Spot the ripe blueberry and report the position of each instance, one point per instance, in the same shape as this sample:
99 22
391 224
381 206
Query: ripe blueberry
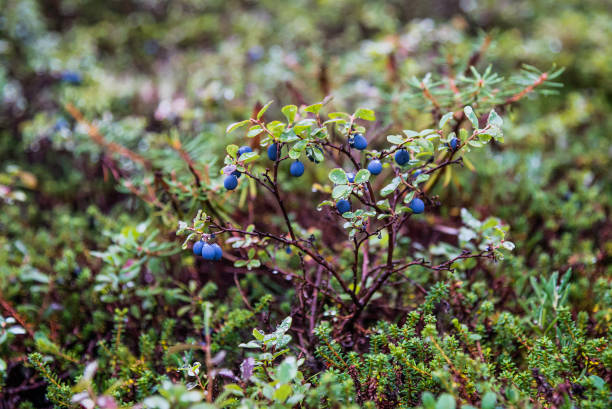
71 77
343 206
197 248
208 252
236 173
351 177
273 151
453 143
244 149
417 173
359 142
375 167
296 169
402 157
218 252
230 182
61 124
417 206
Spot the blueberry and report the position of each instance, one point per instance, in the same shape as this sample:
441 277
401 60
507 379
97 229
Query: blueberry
255 53
288 250
208 252
236 173
351 177
218 252
60 124
375 167
244 149
273 151
402 157
359 142
296 169
453 143
417 206
417 173
230 182
343 206
71 77
197 247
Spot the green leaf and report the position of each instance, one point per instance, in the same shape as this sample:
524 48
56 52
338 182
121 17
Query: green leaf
232 150
390 188
395 139
236 125
383 204
289 111
365 114
410 134
495 119
258 335
282 393
409 196
362 176
284 326
314 108
233 389
597 382
445 119
264 109
341 191
446 401
488 400
318 155
254 264
508 245
288 135
428 400
254 131
249 157
287 370
324 203
469 113
338 176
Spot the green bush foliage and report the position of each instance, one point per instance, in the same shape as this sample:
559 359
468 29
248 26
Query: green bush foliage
471 269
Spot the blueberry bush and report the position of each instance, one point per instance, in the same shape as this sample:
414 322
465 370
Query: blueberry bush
305 204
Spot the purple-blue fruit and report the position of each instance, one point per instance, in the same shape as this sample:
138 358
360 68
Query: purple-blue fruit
273 151
297 169
351 177
375 167
197 248
230 182
208 252
218 252
359 142
453 143
244 149
402 157
71 77
417 206
343 206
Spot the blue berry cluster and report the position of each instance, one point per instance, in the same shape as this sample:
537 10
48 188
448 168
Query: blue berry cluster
210 252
